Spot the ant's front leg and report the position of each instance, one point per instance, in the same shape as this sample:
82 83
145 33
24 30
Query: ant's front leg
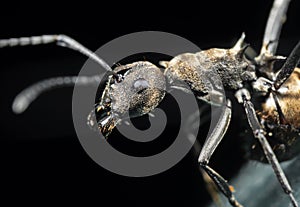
243 96
208 149
192 124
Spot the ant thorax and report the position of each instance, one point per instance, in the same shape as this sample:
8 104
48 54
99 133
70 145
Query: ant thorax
230 64
218 67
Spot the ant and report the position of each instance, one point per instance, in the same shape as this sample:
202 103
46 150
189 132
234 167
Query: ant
252 80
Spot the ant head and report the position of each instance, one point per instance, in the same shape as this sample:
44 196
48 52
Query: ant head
135 90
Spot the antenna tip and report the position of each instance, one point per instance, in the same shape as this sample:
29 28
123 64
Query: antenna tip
20 104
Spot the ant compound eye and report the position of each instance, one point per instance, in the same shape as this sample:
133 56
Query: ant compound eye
140 85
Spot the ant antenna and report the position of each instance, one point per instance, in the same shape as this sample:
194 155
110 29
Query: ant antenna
28 95
60 40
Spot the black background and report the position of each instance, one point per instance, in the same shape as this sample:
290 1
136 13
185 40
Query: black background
42 161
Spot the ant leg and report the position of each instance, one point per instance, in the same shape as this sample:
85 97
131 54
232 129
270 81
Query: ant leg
191 125
243 97
208 149
284 73
216 136
60 40
28 95
211 187
288 67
